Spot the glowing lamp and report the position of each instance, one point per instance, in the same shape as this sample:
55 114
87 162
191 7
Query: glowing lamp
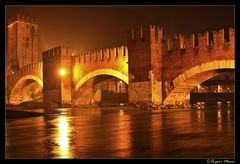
62 72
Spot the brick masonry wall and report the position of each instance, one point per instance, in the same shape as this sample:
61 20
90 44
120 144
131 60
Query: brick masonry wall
140 91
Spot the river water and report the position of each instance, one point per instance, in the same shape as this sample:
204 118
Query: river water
120 133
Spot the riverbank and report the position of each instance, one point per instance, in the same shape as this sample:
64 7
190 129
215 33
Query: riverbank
10 114
21 112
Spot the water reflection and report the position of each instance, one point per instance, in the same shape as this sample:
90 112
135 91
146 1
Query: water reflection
121 112
201 116
86 112
156 133
123 136
62 138
228 115
219 120
95 133
25 138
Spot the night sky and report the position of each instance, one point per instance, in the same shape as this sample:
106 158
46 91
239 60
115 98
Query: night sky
94 27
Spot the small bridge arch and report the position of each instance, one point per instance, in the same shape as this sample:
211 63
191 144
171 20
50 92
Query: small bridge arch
16 93
98 72
185 82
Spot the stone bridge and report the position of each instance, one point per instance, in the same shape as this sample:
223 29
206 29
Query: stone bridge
166 70
196 61
157 70
110 61
80 68
18 81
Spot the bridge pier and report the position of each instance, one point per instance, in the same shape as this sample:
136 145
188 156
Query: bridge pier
145 64
147 92
57 77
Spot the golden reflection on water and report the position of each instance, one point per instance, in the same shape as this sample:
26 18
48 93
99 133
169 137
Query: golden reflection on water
118 135
63 137
121 112
123 137
228 115
228 119
201 116
219 120
156 127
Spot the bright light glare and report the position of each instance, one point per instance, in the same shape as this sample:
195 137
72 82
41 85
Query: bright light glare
62 72
63 137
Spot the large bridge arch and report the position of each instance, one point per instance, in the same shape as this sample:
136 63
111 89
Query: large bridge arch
16 92
185 82
98 72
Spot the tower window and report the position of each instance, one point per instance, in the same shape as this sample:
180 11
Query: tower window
27 25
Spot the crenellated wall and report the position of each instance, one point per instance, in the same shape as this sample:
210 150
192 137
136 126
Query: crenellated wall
155 62
22 18
145 64
187 57
141 42
111 59
18 81
22 42
152 66
184 52
32 69
102 55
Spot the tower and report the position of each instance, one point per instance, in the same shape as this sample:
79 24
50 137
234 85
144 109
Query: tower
22 42
57 75
145 64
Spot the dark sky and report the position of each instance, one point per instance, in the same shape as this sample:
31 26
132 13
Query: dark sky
93 27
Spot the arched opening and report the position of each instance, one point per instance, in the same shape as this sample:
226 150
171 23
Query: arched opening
27 89
219 90
188 80
98 72
101 90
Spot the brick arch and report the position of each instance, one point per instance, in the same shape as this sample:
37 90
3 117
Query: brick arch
98 72
185 82
17 88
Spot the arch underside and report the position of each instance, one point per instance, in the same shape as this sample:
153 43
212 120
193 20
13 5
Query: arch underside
98 72
187 81
19 90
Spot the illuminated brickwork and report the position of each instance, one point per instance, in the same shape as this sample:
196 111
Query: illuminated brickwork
17 81
171 68
157 70
112 61
57 75
22 42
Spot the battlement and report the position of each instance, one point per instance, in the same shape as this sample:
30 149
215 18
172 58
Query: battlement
146 32
201 40
25 70
22 18
108 54
57 51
